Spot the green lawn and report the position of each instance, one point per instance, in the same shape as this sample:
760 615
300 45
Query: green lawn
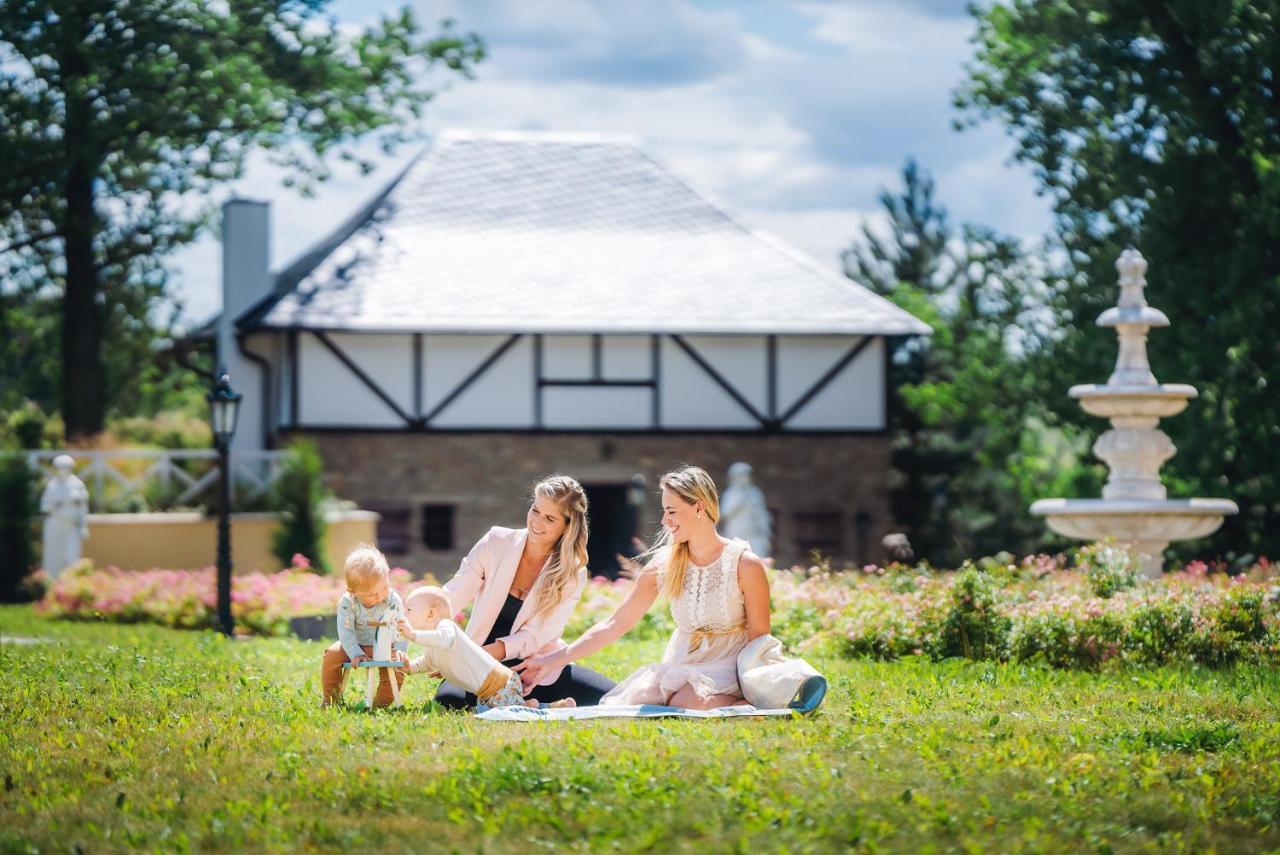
118 737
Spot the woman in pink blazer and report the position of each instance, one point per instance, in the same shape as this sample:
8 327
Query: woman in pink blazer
525 584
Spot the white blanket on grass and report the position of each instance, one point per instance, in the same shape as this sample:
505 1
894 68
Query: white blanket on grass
623 711
767 677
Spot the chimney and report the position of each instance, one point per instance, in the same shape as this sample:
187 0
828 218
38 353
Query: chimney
246 279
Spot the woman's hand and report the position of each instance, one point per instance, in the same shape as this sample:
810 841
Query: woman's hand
536 668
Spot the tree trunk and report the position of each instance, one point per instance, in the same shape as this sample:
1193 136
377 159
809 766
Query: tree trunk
82 397
82 317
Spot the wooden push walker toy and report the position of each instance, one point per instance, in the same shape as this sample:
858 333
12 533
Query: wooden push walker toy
381 661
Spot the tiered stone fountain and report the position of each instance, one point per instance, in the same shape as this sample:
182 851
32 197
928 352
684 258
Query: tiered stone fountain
1134 508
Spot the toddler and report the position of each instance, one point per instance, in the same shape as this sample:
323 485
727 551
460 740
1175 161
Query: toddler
368 604
457 657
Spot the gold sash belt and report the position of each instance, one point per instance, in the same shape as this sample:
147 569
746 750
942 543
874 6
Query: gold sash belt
701 635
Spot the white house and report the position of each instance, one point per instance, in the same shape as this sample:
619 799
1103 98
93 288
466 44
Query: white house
516 304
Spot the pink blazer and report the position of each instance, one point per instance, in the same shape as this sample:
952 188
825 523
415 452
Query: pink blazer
485 578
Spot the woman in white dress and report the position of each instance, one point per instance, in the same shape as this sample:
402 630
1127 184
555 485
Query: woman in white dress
719 597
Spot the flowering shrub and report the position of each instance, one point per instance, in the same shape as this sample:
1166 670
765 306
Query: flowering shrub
973 626
1042 608
604 595
262 603
1108 568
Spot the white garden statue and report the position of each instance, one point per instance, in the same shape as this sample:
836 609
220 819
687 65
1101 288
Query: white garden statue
743 513
65 504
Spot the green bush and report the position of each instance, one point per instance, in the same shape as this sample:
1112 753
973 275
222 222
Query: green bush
299 496
1234 626
1066 640
29 428
972 626
1108 568
1159 631
19 507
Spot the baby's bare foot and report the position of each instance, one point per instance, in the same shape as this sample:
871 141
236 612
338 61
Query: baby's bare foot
566 703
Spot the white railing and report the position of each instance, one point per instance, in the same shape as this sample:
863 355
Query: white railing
178 478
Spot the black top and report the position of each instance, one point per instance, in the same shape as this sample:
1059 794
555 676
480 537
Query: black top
506 618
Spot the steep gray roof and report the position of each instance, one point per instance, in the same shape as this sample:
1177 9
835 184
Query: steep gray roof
530 232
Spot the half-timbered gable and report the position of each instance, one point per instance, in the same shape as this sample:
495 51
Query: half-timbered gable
523 285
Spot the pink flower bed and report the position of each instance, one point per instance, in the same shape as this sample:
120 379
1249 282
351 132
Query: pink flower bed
262 603
1084 613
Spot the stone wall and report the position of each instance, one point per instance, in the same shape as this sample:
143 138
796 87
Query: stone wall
189 540
825 491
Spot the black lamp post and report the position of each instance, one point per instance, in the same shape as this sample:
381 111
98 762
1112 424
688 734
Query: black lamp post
224 410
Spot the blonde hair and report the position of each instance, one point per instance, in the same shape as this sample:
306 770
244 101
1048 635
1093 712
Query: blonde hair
427 596
365 565
691 484
569 555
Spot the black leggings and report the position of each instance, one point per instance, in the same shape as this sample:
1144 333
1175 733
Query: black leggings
582 684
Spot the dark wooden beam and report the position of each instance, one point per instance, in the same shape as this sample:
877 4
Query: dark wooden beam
824 380
472 377
723 383
364 377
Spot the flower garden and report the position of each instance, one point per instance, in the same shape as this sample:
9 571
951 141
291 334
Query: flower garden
1088 610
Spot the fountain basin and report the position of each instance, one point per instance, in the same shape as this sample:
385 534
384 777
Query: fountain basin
1145 526
1133 400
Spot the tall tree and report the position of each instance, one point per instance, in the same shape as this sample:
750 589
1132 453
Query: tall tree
1153 124
116 116
971 446
912 265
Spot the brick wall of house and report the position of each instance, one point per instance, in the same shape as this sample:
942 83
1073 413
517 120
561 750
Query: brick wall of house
826 492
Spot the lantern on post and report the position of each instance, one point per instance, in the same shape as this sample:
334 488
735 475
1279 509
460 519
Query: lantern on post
224 412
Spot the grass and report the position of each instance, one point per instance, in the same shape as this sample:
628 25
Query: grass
136 737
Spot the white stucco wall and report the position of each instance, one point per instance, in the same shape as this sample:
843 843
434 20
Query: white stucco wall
331 395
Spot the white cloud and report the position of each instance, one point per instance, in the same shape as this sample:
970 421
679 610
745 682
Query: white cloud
646 45
795 131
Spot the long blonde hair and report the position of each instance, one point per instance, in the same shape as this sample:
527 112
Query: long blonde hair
692 484
569 555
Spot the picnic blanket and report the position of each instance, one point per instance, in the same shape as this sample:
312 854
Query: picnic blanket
808 697
779 684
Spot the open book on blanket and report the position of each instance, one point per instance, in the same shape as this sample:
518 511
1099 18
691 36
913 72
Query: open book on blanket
622 711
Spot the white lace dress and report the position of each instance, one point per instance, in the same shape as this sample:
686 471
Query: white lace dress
711 629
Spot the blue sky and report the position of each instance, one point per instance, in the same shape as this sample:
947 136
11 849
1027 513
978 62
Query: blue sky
794 115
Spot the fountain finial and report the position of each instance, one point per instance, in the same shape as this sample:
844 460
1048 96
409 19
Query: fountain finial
1132 268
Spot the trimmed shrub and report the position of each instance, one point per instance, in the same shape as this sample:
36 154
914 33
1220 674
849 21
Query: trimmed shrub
299 495
19 508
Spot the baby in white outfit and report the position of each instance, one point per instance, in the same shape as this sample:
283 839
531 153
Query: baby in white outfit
456 657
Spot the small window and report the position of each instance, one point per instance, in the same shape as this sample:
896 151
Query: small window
437 526
393 527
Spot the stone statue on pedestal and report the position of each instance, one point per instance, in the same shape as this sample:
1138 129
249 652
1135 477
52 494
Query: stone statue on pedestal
65 504
743 512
